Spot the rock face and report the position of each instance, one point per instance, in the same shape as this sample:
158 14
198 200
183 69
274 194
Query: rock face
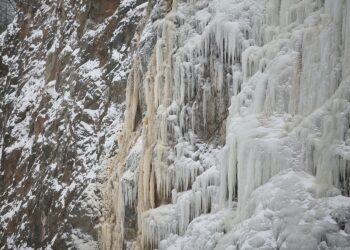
235 133
7 12
63 75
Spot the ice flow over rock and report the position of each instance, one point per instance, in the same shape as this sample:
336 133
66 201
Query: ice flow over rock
237 129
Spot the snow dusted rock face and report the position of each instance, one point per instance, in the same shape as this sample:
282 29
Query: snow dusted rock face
63 71
236 131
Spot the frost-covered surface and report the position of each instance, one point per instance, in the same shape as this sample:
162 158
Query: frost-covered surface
63 70
286 213
235 135
242 107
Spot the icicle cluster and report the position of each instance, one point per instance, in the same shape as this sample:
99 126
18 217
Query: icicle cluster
281 70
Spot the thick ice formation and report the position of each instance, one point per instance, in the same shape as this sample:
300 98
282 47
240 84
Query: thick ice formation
282 69
286 214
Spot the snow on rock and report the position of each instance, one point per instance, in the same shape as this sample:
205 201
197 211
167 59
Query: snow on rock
62 99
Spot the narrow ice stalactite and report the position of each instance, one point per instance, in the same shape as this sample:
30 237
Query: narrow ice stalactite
346 40
132 96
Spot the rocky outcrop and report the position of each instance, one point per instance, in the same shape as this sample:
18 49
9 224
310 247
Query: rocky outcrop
7 11
62 85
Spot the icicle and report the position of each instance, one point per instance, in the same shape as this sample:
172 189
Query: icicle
346 41
205 101
232 169
157 224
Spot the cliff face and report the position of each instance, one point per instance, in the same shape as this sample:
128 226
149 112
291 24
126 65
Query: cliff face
62 86
236 133
6 13
176 124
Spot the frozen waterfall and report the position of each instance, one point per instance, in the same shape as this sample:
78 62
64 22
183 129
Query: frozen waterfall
237 129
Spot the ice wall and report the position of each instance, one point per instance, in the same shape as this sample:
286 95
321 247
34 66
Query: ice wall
292 112
231 101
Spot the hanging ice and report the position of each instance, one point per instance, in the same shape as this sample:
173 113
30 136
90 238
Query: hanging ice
276 73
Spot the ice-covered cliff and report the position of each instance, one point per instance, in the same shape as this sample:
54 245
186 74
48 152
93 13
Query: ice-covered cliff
175 124
236 131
